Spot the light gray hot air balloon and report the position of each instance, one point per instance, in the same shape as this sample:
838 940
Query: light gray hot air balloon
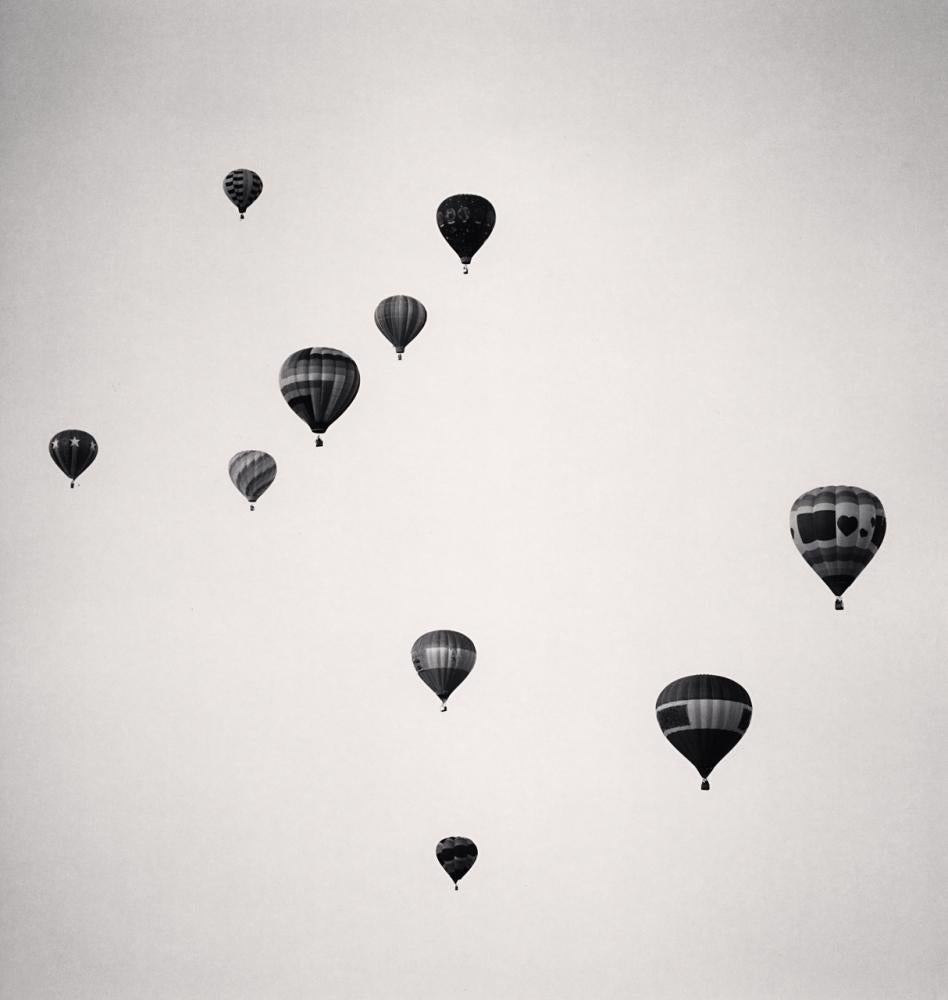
252 472
443 659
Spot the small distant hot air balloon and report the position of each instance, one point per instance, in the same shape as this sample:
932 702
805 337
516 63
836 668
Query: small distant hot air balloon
456 856
243 187
837 529
400 318
252 472
443 659
465 221
73 451
703 717
318 384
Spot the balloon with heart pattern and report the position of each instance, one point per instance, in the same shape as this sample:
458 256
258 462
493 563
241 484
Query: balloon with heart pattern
837 529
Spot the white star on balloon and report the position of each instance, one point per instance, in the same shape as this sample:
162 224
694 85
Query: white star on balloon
92 446
55 442
74 442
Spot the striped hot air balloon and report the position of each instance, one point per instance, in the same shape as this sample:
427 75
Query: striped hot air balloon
456 856
703 717
73 451
443 659
465 221
400 318
252 472
837 529
243 188
318 384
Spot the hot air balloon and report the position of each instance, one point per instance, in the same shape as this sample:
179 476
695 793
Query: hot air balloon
318 384
465 221
456 856
838 529
73 451
243 187
252 472
400 318
443 659
703 717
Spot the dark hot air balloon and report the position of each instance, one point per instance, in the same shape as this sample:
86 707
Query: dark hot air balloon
252 472
318 384
456 856
703 717
73 451
837 529
443 659
400 318
465 221
243 187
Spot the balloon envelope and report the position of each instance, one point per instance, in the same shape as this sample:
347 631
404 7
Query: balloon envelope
318 384
400 318
73 451
456 856
465 221
837 530
703 717
443 659
243 188
252 472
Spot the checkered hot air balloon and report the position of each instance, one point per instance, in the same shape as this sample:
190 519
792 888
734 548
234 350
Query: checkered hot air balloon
456 856
252 472
400 318
73 451
243 188
465 221
837 530
703 717
319 384
443 659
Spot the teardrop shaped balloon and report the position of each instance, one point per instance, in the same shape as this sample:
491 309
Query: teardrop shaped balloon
837 530
456 856
318 384
400 318
465 221
73 451
252 472
243 187
443 659
703 717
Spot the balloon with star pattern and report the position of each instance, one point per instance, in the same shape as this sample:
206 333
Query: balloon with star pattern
465 221
73 451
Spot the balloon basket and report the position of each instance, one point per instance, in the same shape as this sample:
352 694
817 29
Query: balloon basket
705 785
839 604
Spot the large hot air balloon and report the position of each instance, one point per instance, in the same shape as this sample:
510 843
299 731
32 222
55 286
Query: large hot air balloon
252 472
465 221
318 384
243 187
443 659
73 451
400 318
457 856
838 529
703 717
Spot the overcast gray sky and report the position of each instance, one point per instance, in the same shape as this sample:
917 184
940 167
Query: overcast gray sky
717 280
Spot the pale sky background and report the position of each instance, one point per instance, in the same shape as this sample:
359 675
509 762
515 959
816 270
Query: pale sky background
717 280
